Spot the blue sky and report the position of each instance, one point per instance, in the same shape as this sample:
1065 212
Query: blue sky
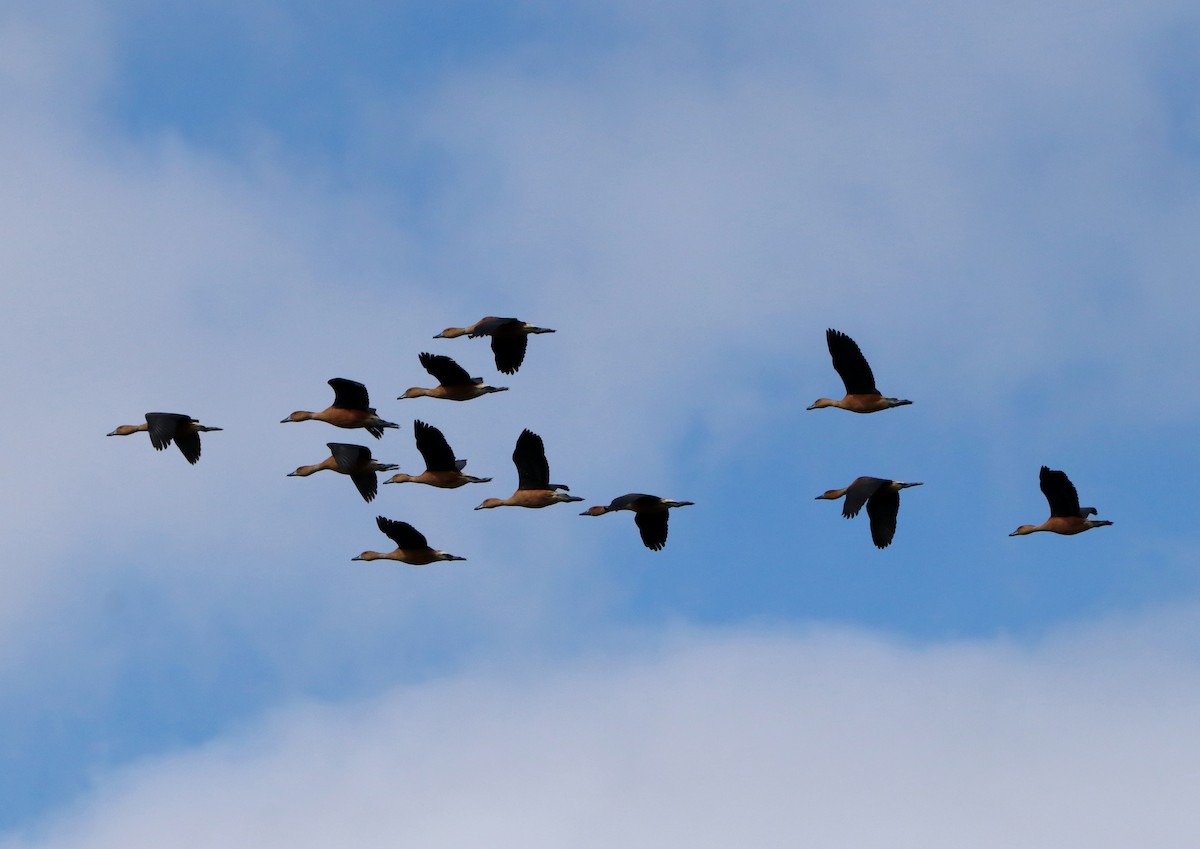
215 210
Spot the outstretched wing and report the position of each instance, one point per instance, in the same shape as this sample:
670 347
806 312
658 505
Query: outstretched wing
188 443
402 533
533 472
490 324
631 501
439 456
1059 492
509 352
349 458
653 527
850 364
882 508
367 485
858 493
164 427
349 394
444 370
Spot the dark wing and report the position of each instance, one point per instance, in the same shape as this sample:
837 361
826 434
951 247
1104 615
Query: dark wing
439 457
349 458
188 443
882 508
509 352
444 370
367 485
632 500
850 364
163 427
490 324
858 493
653 526
349 394
402 533
533 472
1060 492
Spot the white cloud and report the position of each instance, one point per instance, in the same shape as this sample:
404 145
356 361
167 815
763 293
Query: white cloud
824 738
942 190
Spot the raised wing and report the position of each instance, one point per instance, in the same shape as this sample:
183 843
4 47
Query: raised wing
533 472
402 533
850 364
349 395
1059 492
444 370
439 457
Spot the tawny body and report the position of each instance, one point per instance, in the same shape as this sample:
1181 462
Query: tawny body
533 473
350 409
882 498
859 403
529 498
411 546
355 462
1065 525
510 337
850 364
165 428
442 469
650 515
454 383
1066 516
441 480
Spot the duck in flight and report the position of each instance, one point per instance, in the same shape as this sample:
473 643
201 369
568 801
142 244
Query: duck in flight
354 461
454 384
411 546
441 468
510 336
649 514
852 366
165 428
351 408
882 498
1066 516
533 478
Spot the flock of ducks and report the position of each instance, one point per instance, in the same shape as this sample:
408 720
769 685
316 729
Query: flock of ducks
882 496
509 337
351 409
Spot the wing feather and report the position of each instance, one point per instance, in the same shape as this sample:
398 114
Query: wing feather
444 370
349 394
439 456
882 508
533 471
402 533
1060 492
850 364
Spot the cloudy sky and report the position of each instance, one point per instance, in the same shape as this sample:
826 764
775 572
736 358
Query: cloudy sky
215 210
